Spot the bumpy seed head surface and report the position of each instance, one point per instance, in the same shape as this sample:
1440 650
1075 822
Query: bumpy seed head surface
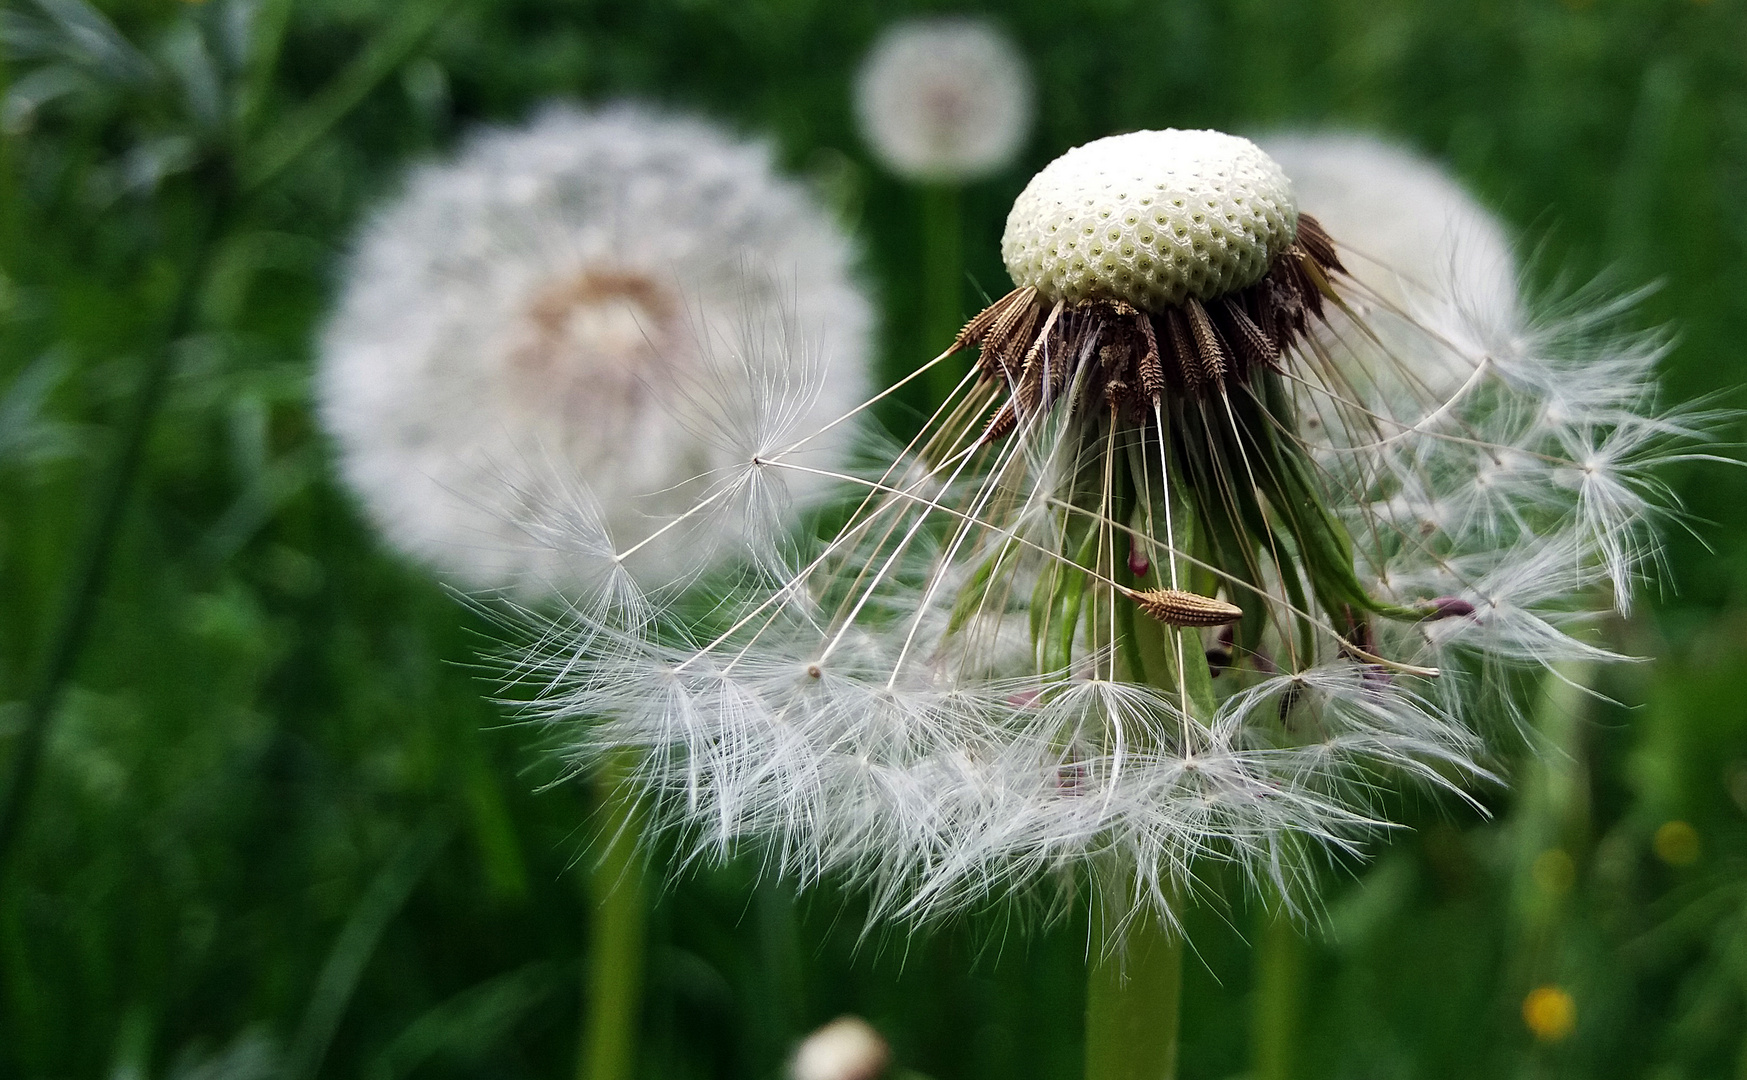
1151 217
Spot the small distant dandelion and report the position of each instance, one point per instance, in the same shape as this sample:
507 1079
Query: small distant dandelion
944 99
1190 565
848 1048
1676 843
1550 1013
551 345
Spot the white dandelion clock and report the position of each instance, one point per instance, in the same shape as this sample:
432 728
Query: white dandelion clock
550 346
1189 566
946 99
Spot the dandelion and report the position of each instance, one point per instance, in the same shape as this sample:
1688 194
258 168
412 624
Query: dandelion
549 349
551 345
1550 1013
944 99
848 1048
1189 565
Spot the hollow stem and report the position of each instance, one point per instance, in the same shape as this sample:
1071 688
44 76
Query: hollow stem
1274 1009
613 967
942 280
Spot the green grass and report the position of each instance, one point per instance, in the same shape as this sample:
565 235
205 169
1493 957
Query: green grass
278 819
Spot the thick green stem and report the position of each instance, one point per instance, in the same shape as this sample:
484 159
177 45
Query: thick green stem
1132 995
1274 1009
613 968
942 281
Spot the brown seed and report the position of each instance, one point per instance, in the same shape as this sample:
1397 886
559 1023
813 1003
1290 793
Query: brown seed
978 328
1183 345
1176 607
1207 343
1152 369
1318 243
1252 345
1002 423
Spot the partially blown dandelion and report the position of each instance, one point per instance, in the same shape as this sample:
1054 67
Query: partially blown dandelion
1192 561
552 345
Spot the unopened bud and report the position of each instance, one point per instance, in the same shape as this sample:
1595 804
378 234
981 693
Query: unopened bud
1138 563
1447 607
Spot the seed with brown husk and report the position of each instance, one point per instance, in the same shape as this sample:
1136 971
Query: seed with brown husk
1177 607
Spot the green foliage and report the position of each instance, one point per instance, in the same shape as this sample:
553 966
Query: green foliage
278 830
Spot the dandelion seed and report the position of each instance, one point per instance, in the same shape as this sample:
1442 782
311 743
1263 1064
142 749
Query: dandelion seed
944 99
553 345
1183 410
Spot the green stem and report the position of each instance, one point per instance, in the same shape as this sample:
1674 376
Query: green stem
1132 995
942 281
1279 960
1134 987
613 970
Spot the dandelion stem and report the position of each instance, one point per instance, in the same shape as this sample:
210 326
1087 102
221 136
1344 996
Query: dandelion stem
1134 986
1133 992
613 968
942 276
1279 965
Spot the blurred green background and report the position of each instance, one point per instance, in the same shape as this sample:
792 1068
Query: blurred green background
280 832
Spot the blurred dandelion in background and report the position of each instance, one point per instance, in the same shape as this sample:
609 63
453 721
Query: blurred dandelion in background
576 329
945 99
1413 236
552 345
848 1048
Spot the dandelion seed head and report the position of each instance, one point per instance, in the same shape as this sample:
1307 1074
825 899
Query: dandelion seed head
998 676
1150 217
550 345
944 99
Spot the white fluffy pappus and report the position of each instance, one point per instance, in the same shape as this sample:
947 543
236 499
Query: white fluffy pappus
945 98
550 345
1190 567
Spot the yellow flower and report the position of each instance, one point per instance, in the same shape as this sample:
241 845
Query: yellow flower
1550 1013
1676 843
